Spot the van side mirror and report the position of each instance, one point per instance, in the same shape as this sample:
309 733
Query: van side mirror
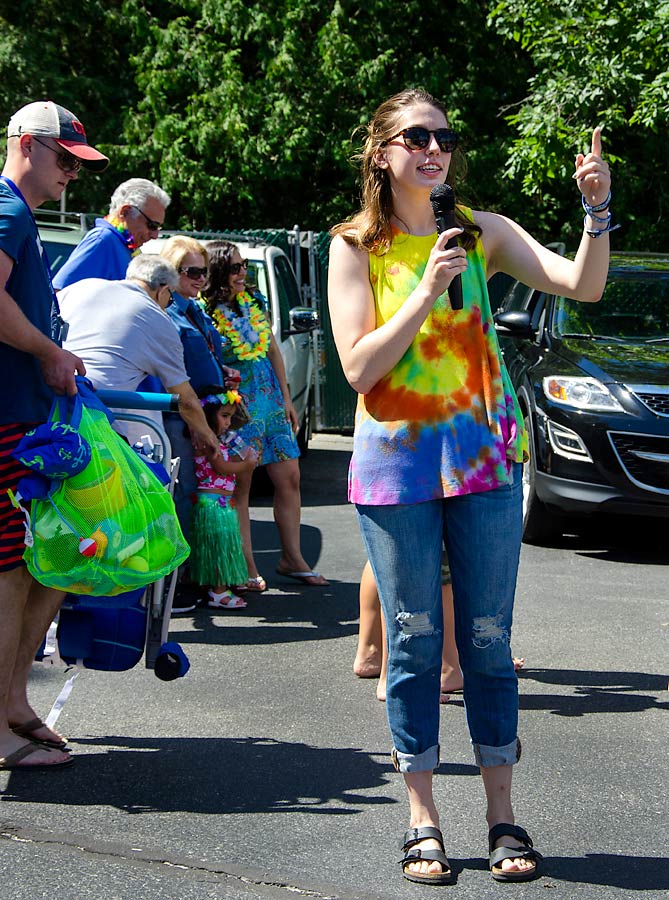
302 319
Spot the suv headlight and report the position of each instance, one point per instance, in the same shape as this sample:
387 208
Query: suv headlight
580 393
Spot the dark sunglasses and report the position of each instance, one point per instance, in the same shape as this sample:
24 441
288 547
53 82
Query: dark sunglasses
236 268
170 292
65 161
418 138
194 272
150 224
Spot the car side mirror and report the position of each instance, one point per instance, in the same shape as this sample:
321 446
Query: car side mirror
514 323
302 319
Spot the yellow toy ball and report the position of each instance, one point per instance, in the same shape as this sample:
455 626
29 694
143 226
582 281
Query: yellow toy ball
137 563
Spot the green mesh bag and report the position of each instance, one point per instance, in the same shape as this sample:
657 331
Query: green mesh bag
110 528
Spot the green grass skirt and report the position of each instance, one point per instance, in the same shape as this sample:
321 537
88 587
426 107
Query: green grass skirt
216 543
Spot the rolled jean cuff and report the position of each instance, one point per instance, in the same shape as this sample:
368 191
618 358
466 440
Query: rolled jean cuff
412 762
487 757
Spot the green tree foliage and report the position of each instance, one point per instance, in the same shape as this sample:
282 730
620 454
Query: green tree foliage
76 56
248 109
245 110
605 63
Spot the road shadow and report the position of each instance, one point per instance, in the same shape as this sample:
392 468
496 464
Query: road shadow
262 775
594 692
632 873
636 540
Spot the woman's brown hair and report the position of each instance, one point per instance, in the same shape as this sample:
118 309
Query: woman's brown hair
217 289
370 229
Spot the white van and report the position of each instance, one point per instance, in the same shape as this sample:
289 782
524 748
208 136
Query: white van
293 324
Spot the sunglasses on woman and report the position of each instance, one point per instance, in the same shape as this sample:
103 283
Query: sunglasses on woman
65 161
194 272
418 138
236 268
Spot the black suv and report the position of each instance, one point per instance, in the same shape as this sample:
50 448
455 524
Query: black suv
593 383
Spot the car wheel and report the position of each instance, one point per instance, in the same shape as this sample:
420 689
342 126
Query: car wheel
305 430
539 523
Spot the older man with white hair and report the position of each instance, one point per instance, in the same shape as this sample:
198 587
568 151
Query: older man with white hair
122 333
136 214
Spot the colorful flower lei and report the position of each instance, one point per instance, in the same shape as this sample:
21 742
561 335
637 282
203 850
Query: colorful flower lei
128 239
249 334
228 398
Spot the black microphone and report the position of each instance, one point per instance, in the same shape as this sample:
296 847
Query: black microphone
442 199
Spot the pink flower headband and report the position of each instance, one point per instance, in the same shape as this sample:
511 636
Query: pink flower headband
229 397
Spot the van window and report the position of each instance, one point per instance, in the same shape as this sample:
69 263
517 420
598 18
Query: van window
289 294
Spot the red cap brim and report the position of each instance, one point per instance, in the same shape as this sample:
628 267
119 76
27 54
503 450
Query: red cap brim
90 157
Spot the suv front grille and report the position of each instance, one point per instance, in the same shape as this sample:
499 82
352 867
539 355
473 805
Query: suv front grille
654 397
644 458
657 403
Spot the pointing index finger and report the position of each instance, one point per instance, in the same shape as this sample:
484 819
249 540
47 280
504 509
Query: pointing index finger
596 147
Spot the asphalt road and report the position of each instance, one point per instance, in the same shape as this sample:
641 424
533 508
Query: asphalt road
264 773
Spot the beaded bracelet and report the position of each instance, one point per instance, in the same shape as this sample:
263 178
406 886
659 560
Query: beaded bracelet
594 209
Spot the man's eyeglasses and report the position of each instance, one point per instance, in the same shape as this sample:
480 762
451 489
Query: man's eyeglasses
194 272
418 138
65 161
150 223
170 292
236 268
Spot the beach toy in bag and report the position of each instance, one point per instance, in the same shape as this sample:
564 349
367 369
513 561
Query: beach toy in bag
104 524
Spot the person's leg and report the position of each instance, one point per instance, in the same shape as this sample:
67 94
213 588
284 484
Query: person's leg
411 599
26 611
285 477
497 784
451 675
241 495
186 485
367 662
483 535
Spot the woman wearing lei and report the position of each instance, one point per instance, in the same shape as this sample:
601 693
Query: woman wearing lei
248 345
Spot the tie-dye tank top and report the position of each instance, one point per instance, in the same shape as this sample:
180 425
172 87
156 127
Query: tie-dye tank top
445 420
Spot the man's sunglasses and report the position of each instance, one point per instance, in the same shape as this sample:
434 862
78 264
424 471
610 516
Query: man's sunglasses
65 161
194 272
236 268
418 138
150 223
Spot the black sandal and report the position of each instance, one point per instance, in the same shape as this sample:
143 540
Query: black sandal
499 854
412 837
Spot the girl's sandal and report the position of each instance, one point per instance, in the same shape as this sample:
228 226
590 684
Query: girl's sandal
499 854
414 854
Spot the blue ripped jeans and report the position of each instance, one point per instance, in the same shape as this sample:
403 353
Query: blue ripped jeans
482 535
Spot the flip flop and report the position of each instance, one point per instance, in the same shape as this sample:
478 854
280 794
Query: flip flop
13 761
226 600
302 577
28 729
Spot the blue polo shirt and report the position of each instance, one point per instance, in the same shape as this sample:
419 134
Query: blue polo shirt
101 253
203 356
25 396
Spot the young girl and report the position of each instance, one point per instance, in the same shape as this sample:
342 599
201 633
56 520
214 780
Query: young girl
217 557
439 444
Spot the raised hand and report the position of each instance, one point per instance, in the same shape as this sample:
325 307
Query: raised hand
592 172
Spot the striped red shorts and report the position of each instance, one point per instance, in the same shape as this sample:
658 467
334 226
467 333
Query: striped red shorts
12 521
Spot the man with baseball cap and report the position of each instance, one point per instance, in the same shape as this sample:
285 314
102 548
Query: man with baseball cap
46 147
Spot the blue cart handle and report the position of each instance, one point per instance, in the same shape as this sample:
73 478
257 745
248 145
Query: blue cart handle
139 400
